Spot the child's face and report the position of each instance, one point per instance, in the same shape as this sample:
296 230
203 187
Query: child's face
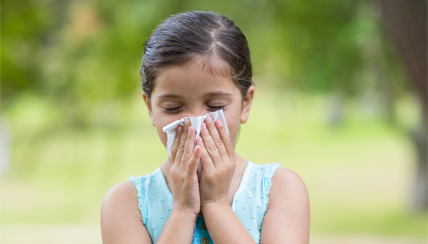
192 90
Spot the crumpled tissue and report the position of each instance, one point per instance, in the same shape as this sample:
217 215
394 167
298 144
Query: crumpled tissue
196 123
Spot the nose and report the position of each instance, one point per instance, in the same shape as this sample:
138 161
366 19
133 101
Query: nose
196 113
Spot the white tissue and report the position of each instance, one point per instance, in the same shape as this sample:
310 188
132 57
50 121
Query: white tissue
196 123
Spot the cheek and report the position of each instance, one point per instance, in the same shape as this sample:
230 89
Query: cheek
162 135
233 122
160 122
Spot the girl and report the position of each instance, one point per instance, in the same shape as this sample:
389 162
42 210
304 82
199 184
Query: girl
195 63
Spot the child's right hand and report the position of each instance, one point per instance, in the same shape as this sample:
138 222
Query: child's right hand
183 165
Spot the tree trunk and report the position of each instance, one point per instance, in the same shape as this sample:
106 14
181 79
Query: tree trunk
419 138
406 23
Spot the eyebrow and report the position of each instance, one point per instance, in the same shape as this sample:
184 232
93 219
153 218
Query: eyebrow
169 95
217 93
209 94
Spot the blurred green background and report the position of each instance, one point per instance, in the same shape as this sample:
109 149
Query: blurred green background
334 102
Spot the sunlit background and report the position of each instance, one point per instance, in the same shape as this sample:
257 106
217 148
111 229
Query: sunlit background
340 99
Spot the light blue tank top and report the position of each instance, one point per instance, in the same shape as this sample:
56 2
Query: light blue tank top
249 203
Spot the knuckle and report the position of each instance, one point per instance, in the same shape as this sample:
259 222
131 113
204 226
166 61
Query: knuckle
189 169
228 144
174 169
226 168
185 154
219 142
180 148
212 148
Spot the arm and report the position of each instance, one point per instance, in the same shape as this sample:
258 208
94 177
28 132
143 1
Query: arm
178 228
121 220
287 219
184 161
120 217
218 166
223 224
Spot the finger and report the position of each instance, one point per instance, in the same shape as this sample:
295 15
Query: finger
207 163
175 144
180 148
228 145
189 145
194 161
210 146
216 138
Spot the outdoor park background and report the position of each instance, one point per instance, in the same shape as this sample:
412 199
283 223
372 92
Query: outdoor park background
334 102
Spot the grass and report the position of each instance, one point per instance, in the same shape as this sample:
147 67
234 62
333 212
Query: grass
358 175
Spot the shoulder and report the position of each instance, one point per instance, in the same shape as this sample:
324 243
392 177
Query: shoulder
120 216
287 180
122 193
287 186
288 209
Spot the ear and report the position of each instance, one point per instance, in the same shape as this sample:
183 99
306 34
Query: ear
246 104
149 106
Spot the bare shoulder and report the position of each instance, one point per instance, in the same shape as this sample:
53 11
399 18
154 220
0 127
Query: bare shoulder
120 217
121 192
287 219
288 190
287 182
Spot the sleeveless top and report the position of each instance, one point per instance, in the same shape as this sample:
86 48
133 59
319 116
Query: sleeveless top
249 203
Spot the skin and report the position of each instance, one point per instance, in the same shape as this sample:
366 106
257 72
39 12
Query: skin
193 90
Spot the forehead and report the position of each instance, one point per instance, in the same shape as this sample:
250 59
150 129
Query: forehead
200 75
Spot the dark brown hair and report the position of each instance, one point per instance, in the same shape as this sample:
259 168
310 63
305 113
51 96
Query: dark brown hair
182 37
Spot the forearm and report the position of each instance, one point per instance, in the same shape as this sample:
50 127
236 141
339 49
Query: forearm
178 228
223 224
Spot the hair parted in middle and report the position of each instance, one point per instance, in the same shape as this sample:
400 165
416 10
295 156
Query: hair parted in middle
185 36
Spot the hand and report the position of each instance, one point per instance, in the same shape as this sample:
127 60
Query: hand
217 160
183 164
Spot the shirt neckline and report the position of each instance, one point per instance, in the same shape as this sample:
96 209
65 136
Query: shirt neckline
238 192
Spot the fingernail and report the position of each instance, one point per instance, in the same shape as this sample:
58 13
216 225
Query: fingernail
208 118
199 140
203 126
190 130
218 123
179 128
186 122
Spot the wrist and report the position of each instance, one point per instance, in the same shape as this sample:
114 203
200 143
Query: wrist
184 214
220 203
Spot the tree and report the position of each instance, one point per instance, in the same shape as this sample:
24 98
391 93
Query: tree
406 23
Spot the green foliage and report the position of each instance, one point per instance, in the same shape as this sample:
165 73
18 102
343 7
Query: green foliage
24 29
83 54
322 51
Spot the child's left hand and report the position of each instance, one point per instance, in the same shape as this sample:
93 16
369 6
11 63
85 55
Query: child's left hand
217 160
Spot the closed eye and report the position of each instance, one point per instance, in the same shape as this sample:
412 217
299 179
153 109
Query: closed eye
172 110
215 108
178 109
